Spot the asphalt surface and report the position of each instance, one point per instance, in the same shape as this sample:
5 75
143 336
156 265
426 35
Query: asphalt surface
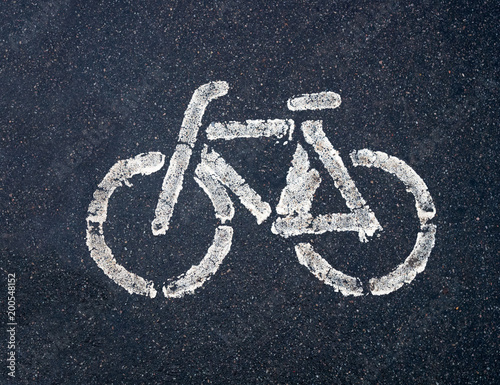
85 84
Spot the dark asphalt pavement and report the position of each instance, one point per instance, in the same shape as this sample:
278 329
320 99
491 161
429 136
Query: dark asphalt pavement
85 84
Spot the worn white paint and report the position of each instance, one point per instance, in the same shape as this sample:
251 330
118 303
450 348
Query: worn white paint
296 198
322 270
318 101
215 176
172 184
194 278
226 175
118 175
196 109
406 272
146 164
250 129
197 275
224 208
302 184
417 260
413 182
171 188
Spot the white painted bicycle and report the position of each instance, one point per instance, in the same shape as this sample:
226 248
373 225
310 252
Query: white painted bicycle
216 176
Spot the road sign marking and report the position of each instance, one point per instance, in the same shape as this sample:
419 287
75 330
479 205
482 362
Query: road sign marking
197 275
322 270
215 176
172 184
224 208
171 188
296 198
361 219
251 129
196 109
119 174
318 101
227 175
417 260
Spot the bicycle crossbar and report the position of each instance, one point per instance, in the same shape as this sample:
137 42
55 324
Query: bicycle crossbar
251 129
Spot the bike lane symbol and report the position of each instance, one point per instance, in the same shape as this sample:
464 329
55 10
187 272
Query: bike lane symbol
215 176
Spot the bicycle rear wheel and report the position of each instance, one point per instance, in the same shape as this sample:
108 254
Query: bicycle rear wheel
188 282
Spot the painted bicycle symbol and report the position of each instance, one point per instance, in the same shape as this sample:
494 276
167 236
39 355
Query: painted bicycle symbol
216 176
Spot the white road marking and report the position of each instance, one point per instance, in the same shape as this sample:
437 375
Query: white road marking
172 184
315 136
406 272
322 270
417 260
224 208
413 182
215 176
194 278
225 174
361 218
118 175
296 198
146 164
171 188
319 101
197 275
302 184
250 129
196 109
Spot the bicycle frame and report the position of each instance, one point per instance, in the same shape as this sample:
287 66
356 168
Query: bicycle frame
215 176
